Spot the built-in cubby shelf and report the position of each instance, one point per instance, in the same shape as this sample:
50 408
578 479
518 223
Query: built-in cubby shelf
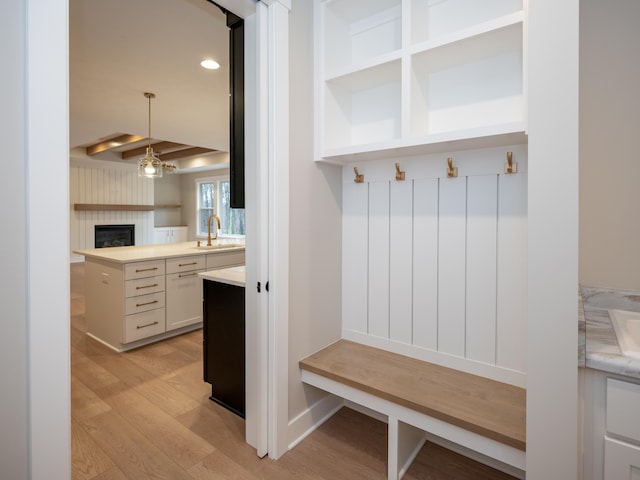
417 76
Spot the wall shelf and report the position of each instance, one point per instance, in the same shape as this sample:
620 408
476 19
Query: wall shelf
109 207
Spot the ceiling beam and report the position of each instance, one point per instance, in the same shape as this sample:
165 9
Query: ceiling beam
158 147
187 152
112 143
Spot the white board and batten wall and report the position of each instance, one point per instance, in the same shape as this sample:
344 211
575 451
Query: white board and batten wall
435 267
108 185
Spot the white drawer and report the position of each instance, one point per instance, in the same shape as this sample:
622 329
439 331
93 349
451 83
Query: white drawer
623 402
151 268
225 259
185 264
144 286
143 303
145 324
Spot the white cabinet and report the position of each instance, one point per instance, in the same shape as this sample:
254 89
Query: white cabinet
163 235
184 291
226 259
622 454
611 427
409 75
621 460
140 302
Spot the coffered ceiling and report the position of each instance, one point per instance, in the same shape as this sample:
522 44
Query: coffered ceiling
120 49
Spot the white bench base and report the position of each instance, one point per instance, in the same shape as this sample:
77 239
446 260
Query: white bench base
409 430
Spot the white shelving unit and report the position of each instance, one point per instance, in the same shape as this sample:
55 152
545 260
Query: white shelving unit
417 76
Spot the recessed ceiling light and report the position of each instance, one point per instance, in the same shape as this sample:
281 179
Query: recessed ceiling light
210 64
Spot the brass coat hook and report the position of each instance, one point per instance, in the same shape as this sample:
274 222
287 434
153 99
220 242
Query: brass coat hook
399 174
359 176
510 167
452 171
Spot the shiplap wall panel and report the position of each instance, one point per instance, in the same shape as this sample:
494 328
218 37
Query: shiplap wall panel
108 185
482 219
401 261
425 263
453 250
379 259
512 286
355 256
452 265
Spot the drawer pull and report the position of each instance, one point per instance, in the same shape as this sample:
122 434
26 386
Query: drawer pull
187 264
138 270
187 274
146 325
147 303
146 286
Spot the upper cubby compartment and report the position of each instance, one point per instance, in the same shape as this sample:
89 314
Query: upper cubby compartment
468 84
363 107
404 77
356 32
435 20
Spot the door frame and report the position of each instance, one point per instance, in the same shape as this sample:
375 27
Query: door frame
267 209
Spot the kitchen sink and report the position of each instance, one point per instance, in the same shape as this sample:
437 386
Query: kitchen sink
218 246
627 327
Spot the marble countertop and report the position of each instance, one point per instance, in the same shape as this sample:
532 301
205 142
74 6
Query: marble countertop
231 276
601 350
138 253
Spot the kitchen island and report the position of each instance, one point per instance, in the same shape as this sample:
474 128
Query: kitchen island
142 294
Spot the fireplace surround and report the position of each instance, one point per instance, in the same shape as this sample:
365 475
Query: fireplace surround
114 235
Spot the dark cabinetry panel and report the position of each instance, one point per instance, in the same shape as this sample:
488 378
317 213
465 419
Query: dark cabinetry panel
224 344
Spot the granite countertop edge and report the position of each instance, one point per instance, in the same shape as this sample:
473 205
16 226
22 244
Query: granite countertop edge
601 349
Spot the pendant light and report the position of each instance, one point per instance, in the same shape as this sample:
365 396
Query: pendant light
150 165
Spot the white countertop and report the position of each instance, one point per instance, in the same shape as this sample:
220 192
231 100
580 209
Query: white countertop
138 253
602 351
231 276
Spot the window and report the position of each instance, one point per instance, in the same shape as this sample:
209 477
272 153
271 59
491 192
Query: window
213 196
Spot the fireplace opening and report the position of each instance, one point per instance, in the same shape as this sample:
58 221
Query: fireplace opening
114 235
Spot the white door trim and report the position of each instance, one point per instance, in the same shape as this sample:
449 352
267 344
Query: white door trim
277 88
267 197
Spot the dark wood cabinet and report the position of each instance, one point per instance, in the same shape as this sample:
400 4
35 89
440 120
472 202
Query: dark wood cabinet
224 344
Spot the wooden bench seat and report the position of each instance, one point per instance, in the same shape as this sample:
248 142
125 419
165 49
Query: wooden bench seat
421 398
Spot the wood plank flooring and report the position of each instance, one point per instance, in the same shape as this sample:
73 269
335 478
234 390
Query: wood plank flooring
145 414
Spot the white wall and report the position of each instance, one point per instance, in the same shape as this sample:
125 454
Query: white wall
35 419
609 127
315 222
166 191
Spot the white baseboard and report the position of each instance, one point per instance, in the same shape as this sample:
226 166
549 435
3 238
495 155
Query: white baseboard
311 418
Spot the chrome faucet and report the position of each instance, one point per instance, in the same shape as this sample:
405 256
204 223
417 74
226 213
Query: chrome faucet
209 237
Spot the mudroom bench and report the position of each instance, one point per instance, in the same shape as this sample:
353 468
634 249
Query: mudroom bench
423 401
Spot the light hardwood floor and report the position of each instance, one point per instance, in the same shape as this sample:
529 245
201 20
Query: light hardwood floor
145 414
